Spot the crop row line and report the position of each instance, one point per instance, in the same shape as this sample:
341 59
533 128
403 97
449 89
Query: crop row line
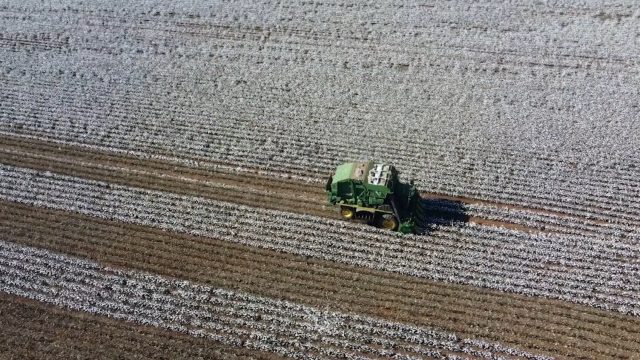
577 182
159 301
572 285
614 212
241 265
271 229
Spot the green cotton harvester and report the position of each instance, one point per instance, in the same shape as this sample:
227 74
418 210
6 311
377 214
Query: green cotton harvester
373 192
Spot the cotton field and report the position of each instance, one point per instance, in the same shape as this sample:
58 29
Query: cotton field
162 171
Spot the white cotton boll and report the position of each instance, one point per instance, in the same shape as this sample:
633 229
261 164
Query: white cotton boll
226 316
502 259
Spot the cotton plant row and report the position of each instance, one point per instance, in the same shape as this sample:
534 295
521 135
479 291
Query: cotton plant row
600 195
541 221
562 200
585 270
404 157
234 318
614 215
556 223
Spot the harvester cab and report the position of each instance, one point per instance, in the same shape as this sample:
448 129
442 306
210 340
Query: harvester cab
373 192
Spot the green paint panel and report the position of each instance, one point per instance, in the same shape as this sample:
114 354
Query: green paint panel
343 172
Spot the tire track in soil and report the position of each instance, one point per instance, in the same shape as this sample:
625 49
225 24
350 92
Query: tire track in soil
538 324
247 189
27 332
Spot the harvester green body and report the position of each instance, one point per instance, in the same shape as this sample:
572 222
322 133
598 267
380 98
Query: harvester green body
372 191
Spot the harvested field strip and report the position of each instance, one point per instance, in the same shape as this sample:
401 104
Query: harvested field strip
536 323
101 158
216 170
213 187
214 183
589 273
234 318
27 332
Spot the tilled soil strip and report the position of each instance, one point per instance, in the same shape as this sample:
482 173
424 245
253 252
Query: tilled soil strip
538 325
277 194
248 190
32 329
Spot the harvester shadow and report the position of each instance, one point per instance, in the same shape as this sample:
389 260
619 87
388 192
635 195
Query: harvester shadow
438 212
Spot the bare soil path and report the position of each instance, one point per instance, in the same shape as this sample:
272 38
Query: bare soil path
247 189
539 325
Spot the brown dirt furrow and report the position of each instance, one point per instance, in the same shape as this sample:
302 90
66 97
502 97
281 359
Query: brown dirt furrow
32 330
124 346
79 153
473 201
158 175
551 326
77 239
275 198
199 250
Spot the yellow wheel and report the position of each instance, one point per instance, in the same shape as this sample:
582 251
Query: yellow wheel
346 213
388 222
